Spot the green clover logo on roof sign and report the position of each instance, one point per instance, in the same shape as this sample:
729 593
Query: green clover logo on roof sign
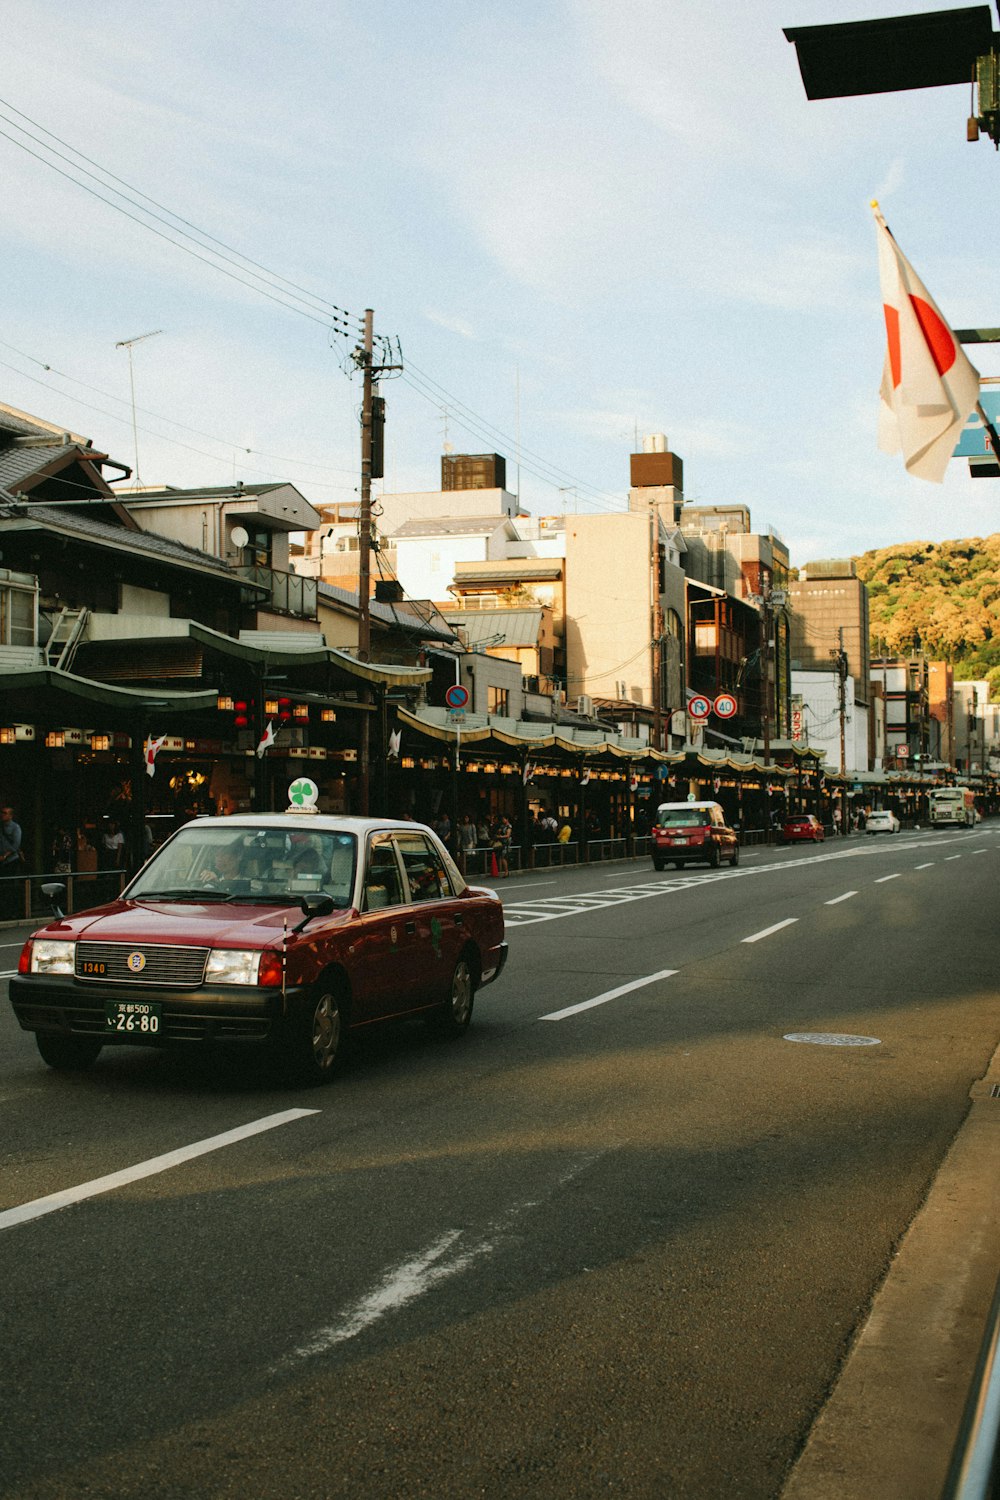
303 794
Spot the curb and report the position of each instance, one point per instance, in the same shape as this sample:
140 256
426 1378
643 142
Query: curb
890 1424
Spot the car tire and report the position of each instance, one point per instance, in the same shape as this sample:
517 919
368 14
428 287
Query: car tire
736 857
314 1044
658 864
67 1053
455 1014
714 859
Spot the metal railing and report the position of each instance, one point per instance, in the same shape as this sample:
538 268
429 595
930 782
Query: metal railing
22 898
974 1472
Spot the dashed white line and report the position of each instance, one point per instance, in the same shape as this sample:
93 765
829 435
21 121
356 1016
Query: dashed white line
49 1205
927 866
767 931
837 899
883 878
951 856
623 989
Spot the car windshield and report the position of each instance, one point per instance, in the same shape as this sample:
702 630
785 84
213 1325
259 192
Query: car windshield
250 864
683 817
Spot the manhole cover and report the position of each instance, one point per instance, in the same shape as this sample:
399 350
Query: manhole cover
832 1039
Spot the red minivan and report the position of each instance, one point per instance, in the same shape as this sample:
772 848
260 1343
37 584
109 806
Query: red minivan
685 832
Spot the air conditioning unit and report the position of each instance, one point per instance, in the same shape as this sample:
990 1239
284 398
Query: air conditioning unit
584 704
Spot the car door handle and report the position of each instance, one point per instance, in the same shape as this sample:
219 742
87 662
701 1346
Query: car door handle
459 920
411 927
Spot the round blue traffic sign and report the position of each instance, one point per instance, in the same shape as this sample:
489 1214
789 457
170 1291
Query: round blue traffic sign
457 696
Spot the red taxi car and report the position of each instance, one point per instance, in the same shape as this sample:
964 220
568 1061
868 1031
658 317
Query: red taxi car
686 831
802 826
284 929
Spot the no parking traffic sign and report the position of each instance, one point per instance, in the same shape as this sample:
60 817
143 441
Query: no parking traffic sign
457 696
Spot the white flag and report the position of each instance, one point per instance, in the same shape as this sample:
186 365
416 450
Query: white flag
395 739
267 740
528 772
928 385
585 778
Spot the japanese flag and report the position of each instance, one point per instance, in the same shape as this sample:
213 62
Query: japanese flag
585 779
928 386
152 749
267 740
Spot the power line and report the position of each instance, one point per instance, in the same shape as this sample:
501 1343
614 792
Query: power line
296 299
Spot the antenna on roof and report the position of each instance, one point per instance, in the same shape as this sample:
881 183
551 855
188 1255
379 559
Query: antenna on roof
127 344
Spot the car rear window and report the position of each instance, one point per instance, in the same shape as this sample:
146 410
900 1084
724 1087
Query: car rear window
684 817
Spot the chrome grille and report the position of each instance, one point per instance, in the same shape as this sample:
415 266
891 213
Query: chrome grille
164 963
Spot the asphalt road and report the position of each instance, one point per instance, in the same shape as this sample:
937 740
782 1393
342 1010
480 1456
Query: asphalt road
616 1240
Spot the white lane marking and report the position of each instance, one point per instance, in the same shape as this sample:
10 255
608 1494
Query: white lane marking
69 1196
7 973
951 856
623 989
979 851
930 863
767 931
883 878
423 1271
837 899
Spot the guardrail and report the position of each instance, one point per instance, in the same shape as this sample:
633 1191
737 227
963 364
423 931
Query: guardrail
974 1472
22 899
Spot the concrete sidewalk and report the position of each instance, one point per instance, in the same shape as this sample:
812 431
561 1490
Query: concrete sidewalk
889 1426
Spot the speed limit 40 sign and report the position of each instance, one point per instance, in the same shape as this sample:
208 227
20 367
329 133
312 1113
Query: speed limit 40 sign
725 706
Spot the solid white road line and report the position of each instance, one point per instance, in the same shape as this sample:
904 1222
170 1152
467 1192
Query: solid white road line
837 899
883 878
756 937
623 989
150 1168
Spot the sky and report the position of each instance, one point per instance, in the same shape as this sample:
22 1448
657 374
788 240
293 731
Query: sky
578 221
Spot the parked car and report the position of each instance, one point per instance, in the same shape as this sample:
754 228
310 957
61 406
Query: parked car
689 831
802 827
287 930
882 822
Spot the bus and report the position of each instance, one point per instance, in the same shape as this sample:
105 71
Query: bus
952 806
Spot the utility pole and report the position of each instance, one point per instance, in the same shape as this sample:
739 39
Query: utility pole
840 657
766 601
372 467
656 672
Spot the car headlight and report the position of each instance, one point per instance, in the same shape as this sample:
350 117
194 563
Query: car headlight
50 956
232 966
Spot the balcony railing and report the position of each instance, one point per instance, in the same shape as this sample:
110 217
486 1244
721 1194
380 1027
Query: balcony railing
291 594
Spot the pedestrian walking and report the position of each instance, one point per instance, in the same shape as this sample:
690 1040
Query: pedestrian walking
112 847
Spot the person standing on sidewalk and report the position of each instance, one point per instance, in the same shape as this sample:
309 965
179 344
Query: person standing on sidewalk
11 860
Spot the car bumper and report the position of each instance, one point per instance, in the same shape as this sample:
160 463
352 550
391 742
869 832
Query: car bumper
230 1013
489 974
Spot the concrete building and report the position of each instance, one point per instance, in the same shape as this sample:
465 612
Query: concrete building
829 614
977 728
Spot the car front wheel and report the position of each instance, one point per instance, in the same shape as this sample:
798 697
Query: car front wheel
68 1053
736 857
315 1043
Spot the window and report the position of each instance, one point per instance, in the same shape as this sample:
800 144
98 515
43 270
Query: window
427 877
383 886
17 615
498 701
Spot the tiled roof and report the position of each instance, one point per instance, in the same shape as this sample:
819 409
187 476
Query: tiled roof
18 464
451 526
497 627
69 522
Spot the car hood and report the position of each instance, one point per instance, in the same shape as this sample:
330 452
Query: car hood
201 925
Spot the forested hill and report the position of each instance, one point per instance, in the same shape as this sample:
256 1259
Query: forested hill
941 598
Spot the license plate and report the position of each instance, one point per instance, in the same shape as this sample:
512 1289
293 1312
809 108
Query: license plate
680 841
133 1017
93 969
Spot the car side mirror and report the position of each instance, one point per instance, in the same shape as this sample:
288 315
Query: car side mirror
54 890
315 906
